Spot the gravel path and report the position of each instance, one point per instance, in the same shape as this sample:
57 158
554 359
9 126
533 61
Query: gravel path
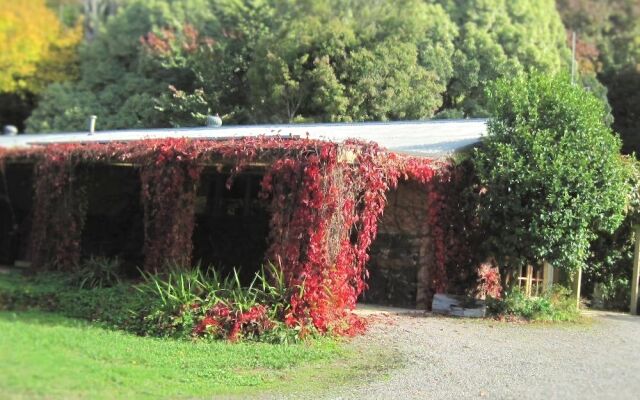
446 358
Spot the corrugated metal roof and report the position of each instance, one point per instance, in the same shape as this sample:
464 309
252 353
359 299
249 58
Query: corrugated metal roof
422 138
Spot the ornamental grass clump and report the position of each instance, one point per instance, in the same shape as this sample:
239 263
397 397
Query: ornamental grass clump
197 302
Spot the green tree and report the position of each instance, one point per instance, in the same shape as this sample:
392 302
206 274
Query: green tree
262 61
609 46
356 60
117 80
551 172
501 38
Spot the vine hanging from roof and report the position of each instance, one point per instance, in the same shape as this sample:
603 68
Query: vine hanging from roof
325 201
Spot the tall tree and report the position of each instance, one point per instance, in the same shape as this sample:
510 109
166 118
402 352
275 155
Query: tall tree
501 38
610 31
165 62
117 80
36 49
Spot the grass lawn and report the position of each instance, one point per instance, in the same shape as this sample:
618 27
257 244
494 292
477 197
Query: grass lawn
43 355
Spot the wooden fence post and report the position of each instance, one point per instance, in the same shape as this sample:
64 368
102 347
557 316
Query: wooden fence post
636 269
577 283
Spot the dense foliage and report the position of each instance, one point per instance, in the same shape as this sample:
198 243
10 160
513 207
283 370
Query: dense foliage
608 46
551 173
36 49
608 272
499 38
169 63
555 304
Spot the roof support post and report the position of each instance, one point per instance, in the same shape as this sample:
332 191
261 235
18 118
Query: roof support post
547 275
576 282
633 306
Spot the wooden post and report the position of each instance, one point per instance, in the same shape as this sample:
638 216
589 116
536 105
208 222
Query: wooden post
636 270
577 282
247 197
547 275
217 195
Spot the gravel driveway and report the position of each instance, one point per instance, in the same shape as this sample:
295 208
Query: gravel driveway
446 358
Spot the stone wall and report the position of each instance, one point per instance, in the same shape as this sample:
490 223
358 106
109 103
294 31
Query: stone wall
401 256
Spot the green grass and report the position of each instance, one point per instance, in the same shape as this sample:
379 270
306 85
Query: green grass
43 355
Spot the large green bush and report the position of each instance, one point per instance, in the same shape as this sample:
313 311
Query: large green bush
551 171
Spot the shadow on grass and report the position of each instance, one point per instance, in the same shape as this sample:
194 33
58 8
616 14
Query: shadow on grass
38 317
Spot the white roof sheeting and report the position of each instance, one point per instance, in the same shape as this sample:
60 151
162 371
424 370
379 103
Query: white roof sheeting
434 138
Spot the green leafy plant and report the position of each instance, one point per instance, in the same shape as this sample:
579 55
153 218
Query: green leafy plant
550 171
198 302
556 304
97 272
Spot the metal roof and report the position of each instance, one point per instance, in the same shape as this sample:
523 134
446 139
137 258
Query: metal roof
433 138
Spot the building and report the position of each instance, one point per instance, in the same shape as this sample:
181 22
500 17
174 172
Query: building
349 211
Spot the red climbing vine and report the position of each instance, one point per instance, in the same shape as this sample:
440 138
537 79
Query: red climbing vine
325 201
60 205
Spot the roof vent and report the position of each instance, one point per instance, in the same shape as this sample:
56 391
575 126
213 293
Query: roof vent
10 130
92 124
214 121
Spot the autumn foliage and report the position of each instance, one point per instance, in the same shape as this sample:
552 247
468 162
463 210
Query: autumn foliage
324 198
35 47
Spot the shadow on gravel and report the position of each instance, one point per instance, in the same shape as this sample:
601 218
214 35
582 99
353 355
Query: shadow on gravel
620 317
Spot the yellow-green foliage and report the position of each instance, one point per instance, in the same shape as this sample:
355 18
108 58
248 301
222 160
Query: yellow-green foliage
35 48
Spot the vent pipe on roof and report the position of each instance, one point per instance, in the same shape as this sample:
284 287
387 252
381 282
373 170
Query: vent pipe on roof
10 130
92 124
214 121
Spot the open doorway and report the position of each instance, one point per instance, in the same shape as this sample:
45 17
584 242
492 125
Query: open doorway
114 221
400 263
232 224
16 203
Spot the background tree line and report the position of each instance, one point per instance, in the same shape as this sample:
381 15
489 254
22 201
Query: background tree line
295 60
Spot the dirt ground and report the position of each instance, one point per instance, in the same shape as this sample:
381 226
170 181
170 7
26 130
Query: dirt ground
449 358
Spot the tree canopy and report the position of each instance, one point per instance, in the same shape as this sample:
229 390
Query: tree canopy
500 38
35 47
608 34
551 172
169 63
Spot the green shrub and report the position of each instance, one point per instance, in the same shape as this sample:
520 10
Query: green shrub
556 304
551 173
607 274
198 302
97 272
